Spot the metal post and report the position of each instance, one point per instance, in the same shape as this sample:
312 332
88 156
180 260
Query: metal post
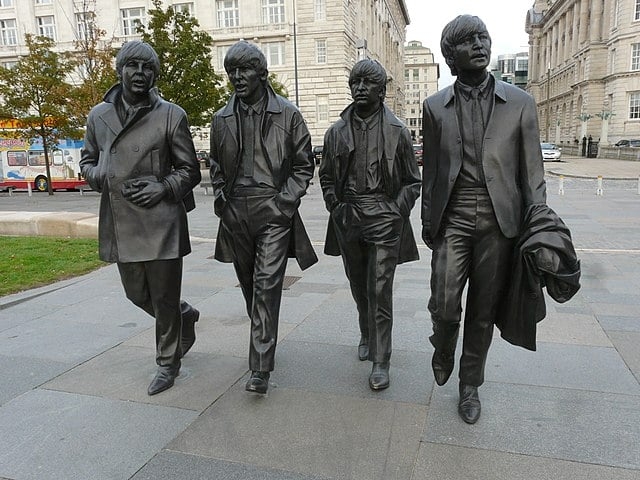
561 185
599 188
29 188
295 53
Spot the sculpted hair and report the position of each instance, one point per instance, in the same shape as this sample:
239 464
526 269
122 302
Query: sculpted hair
135 49
371 69
455 32
243 53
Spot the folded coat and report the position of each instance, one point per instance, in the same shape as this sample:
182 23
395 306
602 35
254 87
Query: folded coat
544 257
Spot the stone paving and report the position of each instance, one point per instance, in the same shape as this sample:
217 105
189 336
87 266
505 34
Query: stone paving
77 357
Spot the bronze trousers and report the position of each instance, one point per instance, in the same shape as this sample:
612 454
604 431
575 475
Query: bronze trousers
469 249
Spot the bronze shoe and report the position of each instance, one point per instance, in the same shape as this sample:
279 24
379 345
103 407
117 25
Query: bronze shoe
164 379
442 365
379 378
469 405
188 333
258 382
363 349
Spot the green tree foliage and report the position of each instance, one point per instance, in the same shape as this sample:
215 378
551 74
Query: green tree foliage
187 77
35 93
95 71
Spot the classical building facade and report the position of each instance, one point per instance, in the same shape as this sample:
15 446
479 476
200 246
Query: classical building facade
310 45
584 68
421 74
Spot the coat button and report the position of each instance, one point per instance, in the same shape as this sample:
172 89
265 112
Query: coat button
113 150
136 148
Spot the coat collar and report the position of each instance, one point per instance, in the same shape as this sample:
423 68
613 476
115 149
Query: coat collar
273 105
110 116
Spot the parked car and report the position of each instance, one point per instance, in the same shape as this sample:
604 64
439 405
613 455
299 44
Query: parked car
203 157
628 143
417 151
317 154
550 152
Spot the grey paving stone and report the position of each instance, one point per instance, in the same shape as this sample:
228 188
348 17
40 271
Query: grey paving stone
614 309
627 345
56 435
335 369
62 339
564 366
576 425
21 374
309 433
448 462
172 465
620 323
124 373
571 328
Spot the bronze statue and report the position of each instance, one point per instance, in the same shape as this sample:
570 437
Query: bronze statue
261 166
139 154
370 182
482 169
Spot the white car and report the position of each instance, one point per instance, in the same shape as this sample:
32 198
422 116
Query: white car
550 152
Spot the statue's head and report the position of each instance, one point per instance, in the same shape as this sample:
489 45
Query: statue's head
466 44
368 83
246 67
137 66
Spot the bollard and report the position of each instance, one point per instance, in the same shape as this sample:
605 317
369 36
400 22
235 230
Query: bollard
29 188
599 188
561 185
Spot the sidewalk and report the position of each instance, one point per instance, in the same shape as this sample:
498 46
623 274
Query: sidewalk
77 358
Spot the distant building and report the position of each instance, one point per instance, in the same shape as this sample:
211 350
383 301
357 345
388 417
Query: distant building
310 45
421 75
584 68
512 68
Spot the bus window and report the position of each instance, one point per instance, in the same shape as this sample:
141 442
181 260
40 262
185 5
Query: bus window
57 157
17 158
36 159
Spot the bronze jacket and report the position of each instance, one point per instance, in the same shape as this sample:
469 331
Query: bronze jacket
401 176
511 156
287 146
157 142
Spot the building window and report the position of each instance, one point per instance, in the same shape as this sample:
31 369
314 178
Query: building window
8 32
6 3
183 7
44 2
637 11
322 108
274 52
84 25
321 51
228 13
319 10
9 65
635 56
634 105
131 17
47 26
272 11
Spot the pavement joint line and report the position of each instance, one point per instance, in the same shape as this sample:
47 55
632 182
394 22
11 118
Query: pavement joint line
608 250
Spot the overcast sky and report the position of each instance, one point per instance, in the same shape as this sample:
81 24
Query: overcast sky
505 21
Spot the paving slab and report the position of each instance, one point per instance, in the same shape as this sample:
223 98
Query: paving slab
309 433
566 328
450 462
620 323
626 344
576 425
174 465
564 366
336 369
124 373
64 436
21 374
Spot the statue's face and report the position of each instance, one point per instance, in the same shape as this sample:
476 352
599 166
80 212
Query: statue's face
247 82
473 53
365 92
137 76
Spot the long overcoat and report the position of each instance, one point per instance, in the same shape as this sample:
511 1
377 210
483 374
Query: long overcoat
400 173
287 146
156 142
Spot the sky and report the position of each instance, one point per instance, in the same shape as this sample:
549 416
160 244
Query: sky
505 21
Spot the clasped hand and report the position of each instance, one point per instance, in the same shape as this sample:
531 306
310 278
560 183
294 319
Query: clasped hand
145 193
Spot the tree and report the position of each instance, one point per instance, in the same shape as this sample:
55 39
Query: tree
94 57
187 77
36 94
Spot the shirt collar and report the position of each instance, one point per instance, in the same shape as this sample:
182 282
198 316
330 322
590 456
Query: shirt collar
484 87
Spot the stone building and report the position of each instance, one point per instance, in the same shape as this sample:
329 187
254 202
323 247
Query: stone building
310 45
512 68
421 74
584 68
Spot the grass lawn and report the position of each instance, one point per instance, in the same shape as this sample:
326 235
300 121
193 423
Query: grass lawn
28 262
